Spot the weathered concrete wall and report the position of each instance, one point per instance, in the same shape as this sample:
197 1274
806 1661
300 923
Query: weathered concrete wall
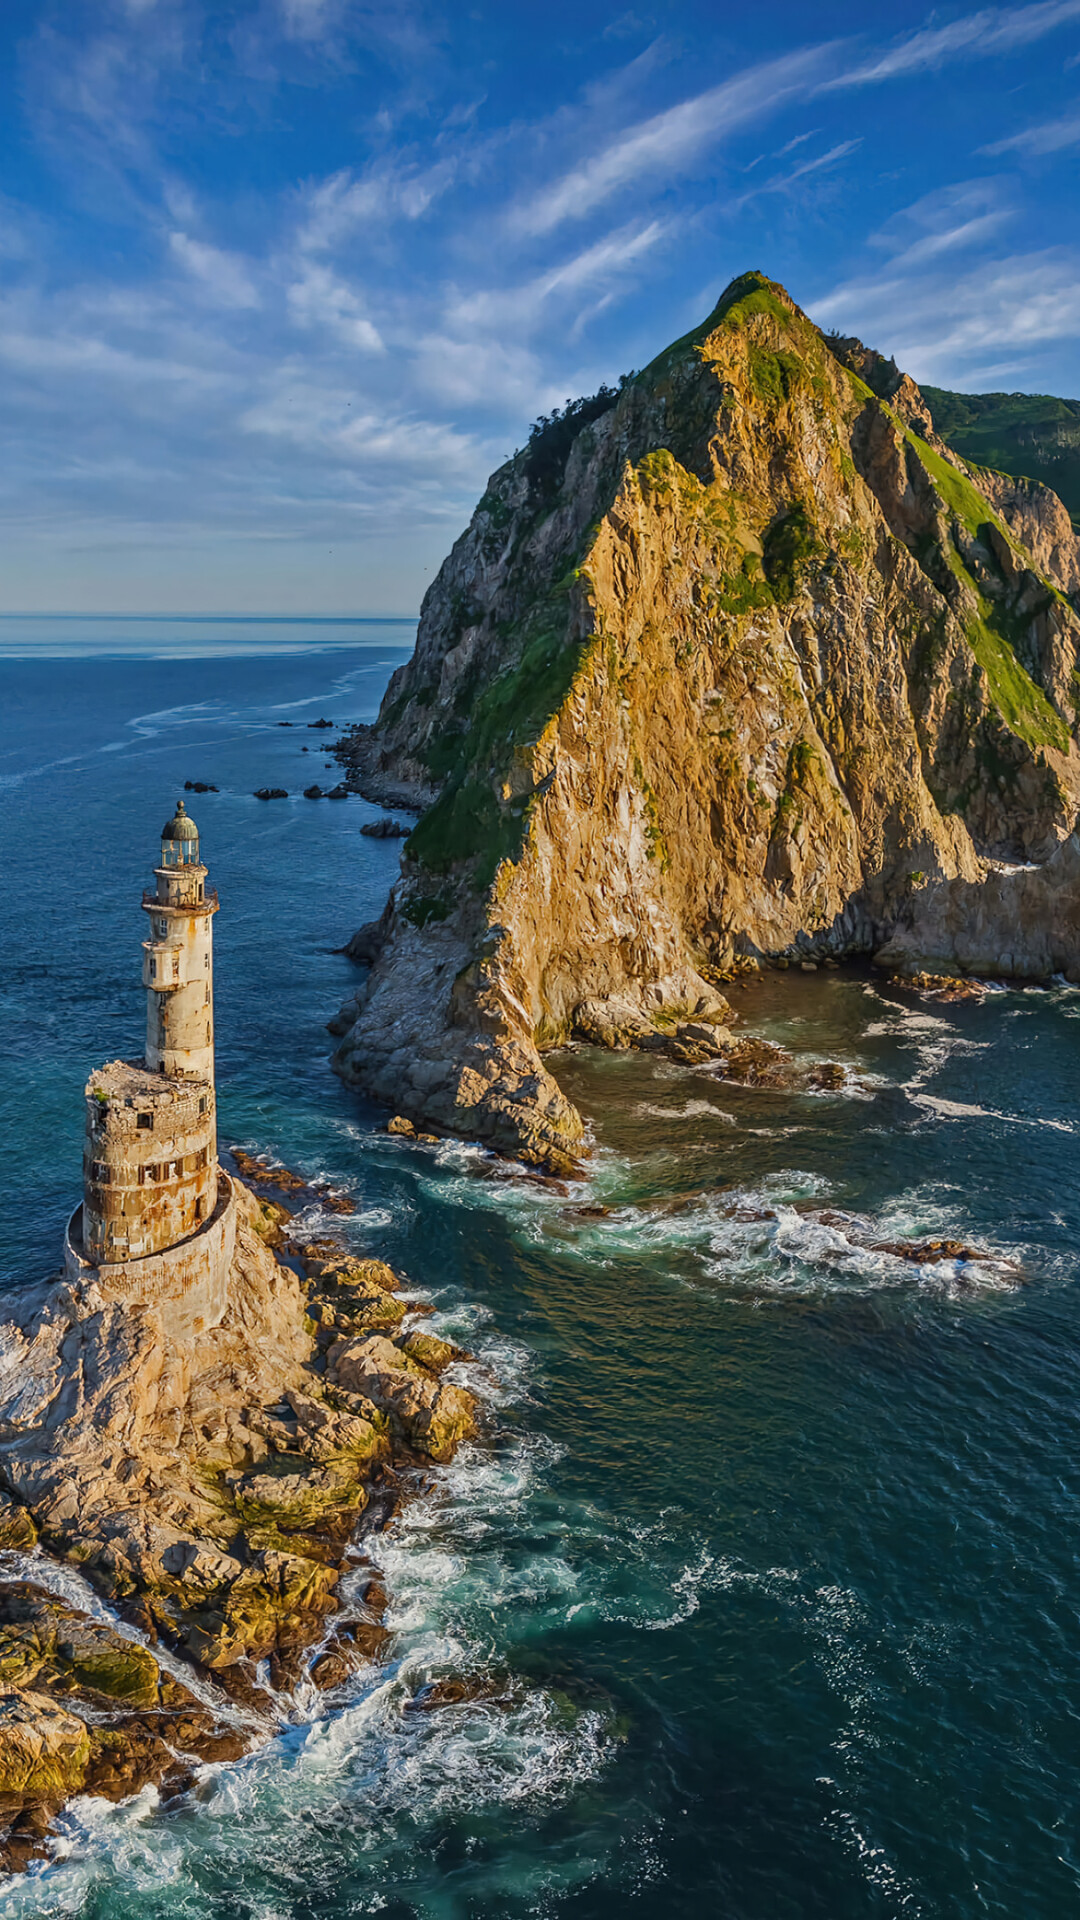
178 972
188 1283
150 1162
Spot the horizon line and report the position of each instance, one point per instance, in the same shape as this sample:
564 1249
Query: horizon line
280 619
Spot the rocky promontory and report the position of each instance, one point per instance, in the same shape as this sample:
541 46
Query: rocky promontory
209 1492
732 663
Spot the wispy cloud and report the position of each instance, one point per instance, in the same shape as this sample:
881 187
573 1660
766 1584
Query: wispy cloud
223 278
669 141
799 140
324 418
946 327
993 30
502 307
1050 136
319 299
782 182
333 208
945 222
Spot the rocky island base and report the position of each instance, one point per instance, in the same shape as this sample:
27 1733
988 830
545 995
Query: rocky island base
211 1495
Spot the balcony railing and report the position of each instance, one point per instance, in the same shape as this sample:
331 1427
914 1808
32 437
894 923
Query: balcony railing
209 904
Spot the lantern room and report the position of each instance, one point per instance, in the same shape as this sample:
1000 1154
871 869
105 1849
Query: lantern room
180 840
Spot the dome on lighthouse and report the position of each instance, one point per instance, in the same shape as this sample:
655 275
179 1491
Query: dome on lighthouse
181 826
180 840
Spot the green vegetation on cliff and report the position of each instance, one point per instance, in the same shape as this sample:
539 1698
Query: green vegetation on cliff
468 821
1032 436
993 633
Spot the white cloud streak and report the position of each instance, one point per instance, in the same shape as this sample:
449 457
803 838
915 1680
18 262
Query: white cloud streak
1052 136
319 299
942 326
669 141
781 182
335 207
993 30
514 305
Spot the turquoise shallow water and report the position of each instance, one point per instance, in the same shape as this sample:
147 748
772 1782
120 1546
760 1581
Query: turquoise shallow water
767 1564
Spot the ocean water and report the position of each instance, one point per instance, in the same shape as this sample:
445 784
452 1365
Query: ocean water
764 1571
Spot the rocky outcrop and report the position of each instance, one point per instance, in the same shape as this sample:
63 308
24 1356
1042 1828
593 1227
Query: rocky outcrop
727 664
1038 521
1022 925
208 1491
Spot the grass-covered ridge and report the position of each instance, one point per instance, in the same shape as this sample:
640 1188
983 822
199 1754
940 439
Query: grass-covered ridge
1033 436
745 296
991 632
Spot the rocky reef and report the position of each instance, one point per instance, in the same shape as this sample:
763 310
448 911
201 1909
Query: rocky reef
730 664
209 1493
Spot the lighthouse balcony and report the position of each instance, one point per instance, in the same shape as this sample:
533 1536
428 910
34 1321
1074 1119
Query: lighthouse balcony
202 903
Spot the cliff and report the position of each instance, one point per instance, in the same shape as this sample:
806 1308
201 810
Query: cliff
728 663
1022 923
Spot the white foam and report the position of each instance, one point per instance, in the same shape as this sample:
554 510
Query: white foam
690 1110
70 1586
958 1110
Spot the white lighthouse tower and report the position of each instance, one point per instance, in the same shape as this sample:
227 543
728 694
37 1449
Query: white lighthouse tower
158 1218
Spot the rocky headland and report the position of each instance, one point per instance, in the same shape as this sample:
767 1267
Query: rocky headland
212 1493
737 664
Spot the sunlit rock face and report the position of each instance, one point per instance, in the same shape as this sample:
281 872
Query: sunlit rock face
731 662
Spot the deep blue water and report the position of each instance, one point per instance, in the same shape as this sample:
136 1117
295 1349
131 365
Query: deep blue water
770 1553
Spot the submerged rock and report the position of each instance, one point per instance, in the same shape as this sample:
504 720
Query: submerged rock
943 986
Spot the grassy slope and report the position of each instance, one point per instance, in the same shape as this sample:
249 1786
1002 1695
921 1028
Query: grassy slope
992 635
1026 434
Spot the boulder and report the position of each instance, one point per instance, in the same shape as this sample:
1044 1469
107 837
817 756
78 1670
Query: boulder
385 830
44 1751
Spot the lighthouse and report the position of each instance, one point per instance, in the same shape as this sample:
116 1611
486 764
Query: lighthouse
158 1219
178 958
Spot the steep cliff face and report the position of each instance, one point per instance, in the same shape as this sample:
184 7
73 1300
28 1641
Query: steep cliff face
728 663
1021 923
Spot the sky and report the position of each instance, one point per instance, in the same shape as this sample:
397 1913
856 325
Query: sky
283 281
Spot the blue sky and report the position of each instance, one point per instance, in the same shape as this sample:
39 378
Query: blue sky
282 281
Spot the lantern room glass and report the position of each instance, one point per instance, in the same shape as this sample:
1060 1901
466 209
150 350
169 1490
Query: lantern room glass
180 853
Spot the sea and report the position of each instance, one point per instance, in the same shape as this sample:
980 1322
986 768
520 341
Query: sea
761 1581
